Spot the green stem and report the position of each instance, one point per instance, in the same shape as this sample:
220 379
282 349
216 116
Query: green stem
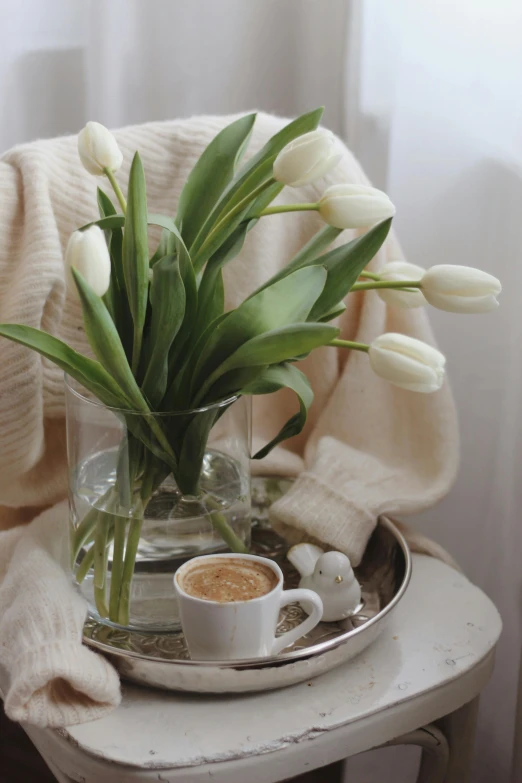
369 275
148 485
219 523
131 550
386 284
101 550
99 600
121 606
85 566
350 344
87 526
83 533
118 552
196 251
129 467
117 190
289 208
163 441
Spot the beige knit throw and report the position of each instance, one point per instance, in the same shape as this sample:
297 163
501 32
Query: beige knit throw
53 680
368 448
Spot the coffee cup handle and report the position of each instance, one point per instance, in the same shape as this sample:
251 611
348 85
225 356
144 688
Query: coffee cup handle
299 596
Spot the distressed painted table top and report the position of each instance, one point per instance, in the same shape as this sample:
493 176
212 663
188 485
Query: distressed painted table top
427 661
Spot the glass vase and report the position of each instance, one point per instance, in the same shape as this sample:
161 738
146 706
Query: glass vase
148 492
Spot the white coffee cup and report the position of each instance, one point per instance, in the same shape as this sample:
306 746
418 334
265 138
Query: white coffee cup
241 629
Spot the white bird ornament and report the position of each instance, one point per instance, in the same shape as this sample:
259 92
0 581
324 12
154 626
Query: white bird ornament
329 574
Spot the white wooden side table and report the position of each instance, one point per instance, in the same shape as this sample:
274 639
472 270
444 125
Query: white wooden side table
426 670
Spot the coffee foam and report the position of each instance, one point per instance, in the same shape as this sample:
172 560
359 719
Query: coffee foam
228 580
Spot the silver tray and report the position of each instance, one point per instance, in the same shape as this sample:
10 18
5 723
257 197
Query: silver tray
162 660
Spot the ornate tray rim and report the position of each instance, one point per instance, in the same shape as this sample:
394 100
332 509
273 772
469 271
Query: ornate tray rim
285 657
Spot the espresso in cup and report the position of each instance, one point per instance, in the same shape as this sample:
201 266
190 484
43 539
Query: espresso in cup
231 579
229 607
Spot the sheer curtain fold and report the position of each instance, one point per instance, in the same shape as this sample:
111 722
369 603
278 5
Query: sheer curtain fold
439 126
168 58
129 61
427 96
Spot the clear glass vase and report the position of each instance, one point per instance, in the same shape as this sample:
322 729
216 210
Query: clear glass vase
147 493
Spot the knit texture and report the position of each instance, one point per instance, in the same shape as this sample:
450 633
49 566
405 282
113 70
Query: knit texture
367 447
53 679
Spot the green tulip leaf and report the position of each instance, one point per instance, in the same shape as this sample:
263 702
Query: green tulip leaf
334 312
193 450
106 208
227 244
211 174
153 219
88 372
315 246
211 295
209 299
281 377
105 205
246 187
168 224
106 223
116 299
280 345
178 393
214 305
140 427
187 275
262 202
309 254
135 254
167 298
189 284
226 227
166 247
105 341
259 167
274 347
287 301
183 338
91 374
233 382
344 265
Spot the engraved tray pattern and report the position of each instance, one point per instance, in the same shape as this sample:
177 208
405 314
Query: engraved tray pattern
162 660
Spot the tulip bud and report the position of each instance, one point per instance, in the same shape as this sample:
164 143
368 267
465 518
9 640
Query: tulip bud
98 149
354 206
460 289
407 362
395 271
88 253
307 158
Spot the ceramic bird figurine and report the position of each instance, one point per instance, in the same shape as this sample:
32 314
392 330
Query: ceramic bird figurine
329 574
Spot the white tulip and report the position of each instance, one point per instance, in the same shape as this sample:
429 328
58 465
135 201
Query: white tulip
98 149
307 158
407 362
88 253
460 289
354 206
395 271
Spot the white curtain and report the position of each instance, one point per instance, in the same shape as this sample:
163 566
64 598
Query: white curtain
436 119
121 62
428 96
